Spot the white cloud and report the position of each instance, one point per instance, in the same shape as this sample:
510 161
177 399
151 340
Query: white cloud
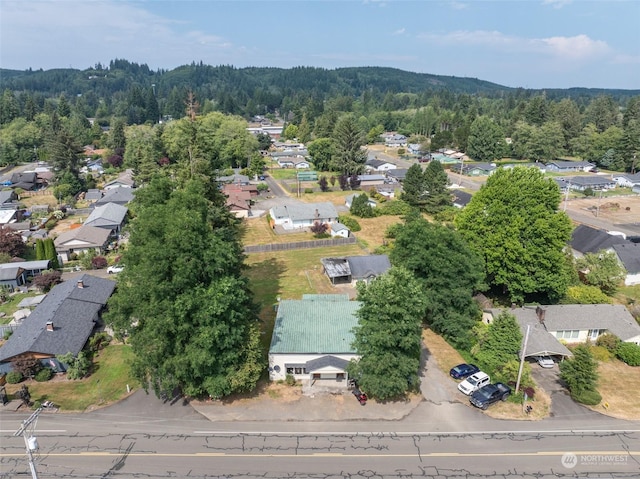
400 31
573 48
458 5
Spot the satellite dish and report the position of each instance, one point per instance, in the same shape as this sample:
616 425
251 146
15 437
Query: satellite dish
276 369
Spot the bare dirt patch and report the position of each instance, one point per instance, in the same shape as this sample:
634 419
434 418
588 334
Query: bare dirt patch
617 210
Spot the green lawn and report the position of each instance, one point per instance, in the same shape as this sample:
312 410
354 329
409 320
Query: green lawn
107 384
11 305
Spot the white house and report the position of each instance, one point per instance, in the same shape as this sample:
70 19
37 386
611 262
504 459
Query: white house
348 201
303 215
626 180
339 230
629 255
313 339
568 166
373 164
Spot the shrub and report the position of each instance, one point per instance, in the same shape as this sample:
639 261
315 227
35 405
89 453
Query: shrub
49 225
98 341
600 353
350 222
629 353
290 380
99 262
14 377
609 341
7 334
447 215
589 397
44 375
394 208
308 191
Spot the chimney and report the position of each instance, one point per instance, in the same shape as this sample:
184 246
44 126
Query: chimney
80 284
540 312
49 325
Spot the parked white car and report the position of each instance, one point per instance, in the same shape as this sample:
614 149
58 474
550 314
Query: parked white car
116 268
474 382
545 361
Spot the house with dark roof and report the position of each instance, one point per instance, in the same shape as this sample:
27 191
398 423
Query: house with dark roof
313 339
26 180
373 164
62 323
398 174
8 198
110 217
570 323
478 169
629 256
461 198
92 195
124 180
297 215
582 183
626 180
11 277
81 240
585 239
352 269
568 166
120 196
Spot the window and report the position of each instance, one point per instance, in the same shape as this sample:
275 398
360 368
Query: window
289 370
568 334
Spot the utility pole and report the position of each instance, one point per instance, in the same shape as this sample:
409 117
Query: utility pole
522 354
26 430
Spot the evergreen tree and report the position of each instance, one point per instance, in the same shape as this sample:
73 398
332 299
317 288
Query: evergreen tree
116 138
360 206
50 253
502 342
437 196
40 252
580 374
413 187
349 157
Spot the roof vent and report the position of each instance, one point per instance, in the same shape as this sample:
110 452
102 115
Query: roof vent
80 284
49 325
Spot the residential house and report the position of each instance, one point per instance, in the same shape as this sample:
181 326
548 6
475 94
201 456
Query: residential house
478 169
110 217
119 196
373 164
93 194
626 180
414 148
461 198
82 240
352 269
585 239
11 277
339 230
296 215
395 141
313 339
235 179
570 323
369 181
62 323
238 200
30 268
348 201
629 256
9 216
26 180
8 199
398 175
124 180
568 166
582 183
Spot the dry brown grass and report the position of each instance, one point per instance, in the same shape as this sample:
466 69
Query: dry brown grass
618 384
445 355
374 230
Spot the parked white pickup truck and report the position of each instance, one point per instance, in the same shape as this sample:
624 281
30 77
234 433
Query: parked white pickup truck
474 382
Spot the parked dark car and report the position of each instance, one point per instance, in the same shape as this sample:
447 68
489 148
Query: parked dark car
462 371
487 395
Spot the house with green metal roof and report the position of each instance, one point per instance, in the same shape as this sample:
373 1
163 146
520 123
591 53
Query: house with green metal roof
313 339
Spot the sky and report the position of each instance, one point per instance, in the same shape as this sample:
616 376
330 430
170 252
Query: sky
515 43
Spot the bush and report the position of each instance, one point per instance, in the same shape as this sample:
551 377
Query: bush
629 353
290 380
99 262
14 377
600 353
98 341
590 398
44 375
350 223
7 334
609 341
308 191
394 208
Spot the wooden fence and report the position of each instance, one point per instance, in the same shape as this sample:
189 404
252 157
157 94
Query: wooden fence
321 243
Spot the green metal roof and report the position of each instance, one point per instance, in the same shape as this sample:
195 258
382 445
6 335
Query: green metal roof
316 324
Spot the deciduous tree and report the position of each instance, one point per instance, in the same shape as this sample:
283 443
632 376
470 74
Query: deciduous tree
388 335
602 270
513 223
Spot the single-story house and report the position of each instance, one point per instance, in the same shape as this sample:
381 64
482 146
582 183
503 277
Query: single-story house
478 169
301 164
368 181
373 164
568 166
303 215
581 183
80 240
231 188
93 194
348 200
461 198
395 140
110 216
26 180
570 323
12 277
238 201
30 268
399 174
124 180
313 339
338 229
355 268
8 216
119 196
62 323
236 179
626 180
585 239
7 197
414 148
562 184
629 255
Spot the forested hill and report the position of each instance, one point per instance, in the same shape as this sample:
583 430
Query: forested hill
264 85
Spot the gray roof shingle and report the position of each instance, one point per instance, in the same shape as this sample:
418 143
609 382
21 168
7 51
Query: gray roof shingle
586 239
629 254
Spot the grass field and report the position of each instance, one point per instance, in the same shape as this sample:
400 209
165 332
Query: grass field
616 382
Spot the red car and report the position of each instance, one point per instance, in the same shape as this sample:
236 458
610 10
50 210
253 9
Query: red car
360 396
